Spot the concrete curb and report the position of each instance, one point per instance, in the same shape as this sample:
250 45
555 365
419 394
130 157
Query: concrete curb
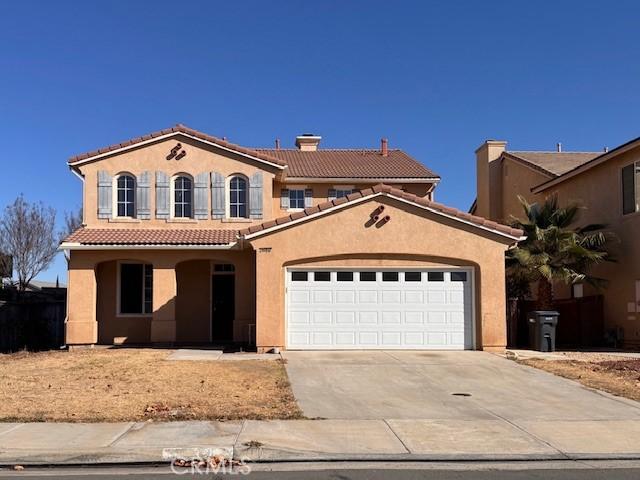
152 458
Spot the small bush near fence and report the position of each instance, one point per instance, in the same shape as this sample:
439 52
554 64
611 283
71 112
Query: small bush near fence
32 321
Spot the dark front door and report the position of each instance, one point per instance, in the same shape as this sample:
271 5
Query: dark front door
223 307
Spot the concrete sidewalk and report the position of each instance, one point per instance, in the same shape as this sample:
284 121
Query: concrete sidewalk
295 440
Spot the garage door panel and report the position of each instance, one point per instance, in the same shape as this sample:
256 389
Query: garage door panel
368 339
322 318
414 318
346 297
299 297
322 296
392 318
391 296
416 297
345 318
417 311
368 296
368 318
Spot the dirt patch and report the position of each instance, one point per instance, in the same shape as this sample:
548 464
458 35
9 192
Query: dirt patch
140 384
619 377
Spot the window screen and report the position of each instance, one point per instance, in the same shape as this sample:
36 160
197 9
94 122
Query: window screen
136 288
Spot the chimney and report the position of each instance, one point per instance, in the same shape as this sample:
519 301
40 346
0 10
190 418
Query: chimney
277 144
606 149
384 147
308 142
559 147
489 179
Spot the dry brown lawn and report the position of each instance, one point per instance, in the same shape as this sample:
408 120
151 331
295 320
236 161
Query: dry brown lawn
617 376
140 384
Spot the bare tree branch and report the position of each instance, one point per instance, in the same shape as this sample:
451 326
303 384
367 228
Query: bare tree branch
27 234
72 221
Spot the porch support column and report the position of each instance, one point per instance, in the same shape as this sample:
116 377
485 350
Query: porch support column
163 323
81 327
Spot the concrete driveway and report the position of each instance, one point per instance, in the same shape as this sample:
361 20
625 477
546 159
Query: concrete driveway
440 386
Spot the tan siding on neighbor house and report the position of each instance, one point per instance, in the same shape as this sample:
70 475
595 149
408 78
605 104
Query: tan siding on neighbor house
600 190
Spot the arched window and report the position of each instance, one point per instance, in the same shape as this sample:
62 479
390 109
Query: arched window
182 197
238 197
126 195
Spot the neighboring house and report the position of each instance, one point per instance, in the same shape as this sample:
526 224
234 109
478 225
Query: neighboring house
190 239
606 183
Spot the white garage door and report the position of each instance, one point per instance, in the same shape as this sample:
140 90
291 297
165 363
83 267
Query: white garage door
383 309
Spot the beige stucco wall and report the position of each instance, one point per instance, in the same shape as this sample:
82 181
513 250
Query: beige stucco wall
412 236
200 158
92 293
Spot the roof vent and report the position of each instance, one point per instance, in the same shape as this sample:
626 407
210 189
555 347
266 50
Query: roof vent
308 142
559 147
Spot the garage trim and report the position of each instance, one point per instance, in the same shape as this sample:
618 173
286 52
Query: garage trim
354 268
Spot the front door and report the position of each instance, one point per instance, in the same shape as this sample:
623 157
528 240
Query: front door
223 307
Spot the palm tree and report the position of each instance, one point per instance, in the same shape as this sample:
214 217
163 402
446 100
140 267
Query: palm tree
554 251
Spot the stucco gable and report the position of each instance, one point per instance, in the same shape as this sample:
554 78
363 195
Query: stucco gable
176 132
481 224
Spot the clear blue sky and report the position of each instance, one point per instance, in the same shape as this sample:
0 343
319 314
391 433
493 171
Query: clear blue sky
436 78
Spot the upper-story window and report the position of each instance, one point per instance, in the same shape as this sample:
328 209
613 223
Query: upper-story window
125 196
631 188
340 191
237 197
296 198
182 197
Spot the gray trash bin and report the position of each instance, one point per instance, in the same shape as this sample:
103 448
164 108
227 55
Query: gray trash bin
542 330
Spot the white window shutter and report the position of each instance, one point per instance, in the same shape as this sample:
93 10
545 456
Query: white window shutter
143 209
162 195
105 194
218 197
284 199
308 198
201 196
255 195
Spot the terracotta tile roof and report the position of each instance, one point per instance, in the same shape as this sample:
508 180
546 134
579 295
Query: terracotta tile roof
179 129
393 192
139 236
554 163
349 163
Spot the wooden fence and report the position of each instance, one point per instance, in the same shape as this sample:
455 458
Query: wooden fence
581 322
32 323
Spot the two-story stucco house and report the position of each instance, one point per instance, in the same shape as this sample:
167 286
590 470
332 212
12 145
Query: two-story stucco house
606 183
189 239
